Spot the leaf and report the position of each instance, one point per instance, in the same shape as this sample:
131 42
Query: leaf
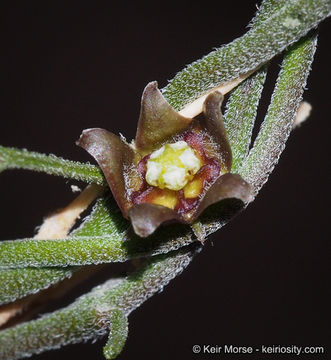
240 115
262 42
89 317
267 9
17 283
98 240
117 336
11 158
277 124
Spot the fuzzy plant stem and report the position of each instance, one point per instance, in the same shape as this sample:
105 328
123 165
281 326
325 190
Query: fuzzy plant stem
89 317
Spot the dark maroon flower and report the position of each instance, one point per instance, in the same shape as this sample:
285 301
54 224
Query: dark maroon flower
175 168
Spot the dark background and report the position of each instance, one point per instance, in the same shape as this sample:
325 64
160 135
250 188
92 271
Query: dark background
262 279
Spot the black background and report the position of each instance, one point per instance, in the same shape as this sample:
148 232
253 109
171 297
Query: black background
262 279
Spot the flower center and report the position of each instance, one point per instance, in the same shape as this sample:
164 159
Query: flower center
172 166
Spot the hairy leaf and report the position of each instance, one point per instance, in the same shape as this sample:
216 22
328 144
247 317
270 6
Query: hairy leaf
284 26
117 336
16 283
98 240
11 158
89 317
240 115
277 125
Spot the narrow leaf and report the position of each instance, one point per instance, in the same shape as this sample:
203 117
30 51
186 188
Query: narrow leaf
105 245
88 317
11 158
17 283
240 115
268 38
117 336
267 9
278 122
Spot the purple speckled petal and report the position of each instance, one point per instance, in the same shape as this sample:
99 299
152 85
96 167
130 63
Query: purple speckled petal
212 121
158 121
112 155
227 186
146 217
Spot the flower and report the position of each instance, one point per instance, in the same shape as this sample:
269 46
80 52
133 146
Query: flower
175 168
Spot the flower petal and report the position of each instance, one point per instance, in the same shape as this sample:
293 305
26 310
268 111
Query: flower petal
213 122
146 218
227 186
158 120
112 154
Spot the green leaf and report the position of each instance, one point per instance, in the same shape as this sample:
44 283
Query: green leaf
17 283
277 124
11 158
89 317
117 336
240 115
286 25
267 9
105 236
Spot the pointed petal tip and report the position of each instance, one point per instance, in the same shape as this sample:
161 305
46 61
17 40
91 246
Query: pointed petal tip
214 99
213 123
152 85
158 121
112 155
